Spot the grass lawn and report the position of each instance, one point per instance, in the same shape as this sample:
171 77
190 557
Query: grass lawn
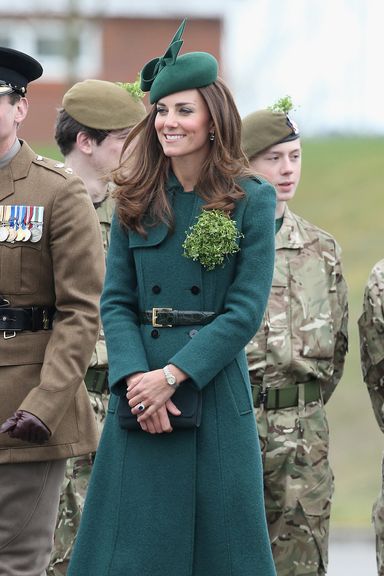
341 191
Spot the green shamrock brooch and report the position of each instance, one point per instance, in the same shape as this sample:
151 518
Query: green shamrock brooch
213 238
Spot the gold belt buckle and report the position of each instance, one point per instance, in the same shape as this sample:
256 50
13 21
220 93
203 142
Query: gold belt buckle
155 312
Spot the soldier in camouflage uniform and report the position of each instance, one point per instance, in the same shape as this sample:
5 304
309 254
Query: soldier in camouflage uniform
371 329
296 358
91 128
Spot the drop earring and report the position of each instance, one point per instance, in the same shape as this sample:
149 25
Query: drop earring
211 136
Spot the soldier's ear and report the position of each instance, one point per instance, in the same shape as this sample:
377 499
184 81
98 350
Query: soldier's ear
21 110
84 142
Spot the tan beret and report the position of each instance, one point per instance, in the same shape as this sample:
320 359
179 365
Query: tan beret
102 105
264 128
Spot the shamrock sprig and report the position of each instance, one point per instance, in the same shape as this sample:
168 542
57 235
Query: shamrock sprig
133 88
284 105
213 238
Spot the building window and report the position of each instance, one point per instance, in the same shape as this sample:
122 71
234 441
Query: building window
67 49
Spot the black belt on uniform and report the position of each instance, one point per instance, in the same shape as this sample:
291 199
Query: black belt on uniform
33 318
96 380
288 397
166 317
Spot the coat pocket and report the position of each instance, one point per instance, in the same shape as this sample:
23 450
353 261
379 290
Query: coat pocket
239 387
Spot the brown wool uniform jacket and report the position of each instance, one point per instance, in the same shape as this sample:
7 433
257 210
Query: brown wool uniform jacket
42 372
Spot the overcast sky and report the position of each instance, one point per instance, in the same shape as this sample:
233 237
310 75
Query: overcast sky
327 54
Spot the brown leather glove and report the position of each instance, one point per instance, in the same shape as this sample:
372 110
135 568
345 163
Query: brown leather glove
25 426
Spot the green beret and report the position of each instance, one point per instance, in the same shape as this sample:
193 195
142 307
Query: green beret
169 74
265 128
103 105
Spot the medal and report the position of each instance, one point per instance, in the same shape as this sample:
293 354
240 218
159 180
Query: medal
19 223
27 220
3 233
37 223
11 235
11 230
3 229
36 234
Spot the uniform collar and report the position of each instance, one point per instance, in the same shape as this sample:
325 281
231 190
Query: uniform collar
292 234
4 160
17 169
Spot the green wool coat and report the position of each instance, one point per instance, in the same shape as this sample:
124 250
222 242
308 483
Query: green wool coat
188 503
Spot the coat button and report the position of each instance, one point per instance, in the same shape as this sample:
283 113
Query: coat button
195 290
193 333
156 289
155 334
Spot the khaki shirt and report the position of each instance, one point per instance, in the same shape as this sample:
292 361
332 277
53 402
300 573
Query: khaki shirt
304 332
104 213
371 330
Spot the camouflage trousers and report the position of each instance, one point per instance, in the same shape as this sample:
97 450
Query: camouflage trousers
378 523
72 497
298 487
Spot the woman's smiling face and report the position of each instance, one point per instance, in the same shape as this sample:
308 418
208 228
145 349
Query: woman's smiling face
182 124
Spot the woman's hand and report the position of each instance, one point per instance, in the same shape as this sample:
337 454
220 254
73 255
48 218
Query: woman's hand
149 394
159 421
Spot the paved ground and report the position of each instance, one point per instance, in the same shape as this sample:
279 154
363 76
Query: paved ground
352 554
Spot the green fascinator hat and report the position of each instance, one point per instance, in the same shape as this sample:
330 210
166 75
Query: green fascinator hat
265 128
171 73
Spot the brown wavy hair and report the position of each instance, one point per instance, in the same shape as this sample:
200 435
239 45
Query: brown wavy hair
142 177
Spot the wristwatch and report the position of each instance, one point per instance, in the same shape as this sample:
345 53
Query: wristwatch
170 378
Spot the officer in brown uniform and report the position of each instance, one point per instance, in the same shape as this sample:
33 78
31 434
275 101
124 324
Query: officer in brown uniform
91 128
51 273
296 359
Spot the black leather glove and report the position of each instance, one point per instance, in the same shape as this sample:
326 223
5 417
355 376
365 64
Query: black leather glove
25 426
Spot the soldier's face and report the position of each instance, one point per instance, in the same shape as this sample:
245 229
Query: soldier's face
281 165
106 155
11 115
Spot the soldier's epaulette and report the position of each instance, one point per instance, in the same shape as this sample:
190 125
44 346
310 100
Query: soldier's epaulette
53 165
316 230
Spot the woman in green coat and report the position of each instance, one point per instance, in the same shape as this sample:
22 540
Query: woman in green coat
165 500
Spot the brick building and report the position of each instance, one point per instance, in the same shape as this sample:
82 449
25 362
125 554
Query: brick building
83 41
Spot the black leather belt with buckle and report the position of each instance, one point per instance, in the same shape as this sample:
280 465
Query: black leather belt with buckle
35 318
167 317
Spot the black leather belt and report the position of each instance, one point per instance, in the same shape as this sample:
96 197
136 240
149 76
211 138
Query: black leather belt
96 380
166 317
33 318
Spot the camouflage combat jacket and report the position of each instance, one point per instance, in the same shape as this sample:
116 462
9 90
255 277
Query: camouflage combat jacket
303 336
371 331
104 213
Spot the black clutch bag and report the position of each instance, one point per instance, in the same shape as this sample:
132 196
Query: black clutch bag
187 398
